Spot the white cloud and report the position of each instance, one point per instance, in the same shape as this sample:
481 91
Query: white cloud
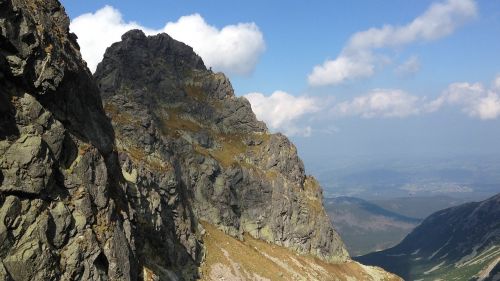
97 31
281 110
496 83
234 49
380 103
409 67
474 99
358 59
284 112
341 69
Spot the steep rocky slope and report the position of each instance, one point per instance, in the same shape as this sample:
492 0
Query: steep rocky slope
459 243
79 203
180 126
62 216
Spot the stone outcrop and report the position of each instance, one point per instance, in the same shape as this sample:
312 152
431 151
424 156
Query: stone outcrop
62 216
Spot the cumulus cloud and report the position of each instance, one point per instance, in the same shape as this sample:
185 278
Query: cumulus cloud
358 58
475 99
281 110
409 67
284 112
97 31
234 49
380 103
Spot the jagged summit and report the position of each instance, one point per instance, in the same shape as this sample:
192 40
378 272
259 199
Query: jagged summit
161 70
136 52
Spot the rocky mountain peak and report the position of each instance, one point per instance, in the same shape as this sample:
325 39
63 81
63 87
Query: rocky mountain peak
235 173
146 60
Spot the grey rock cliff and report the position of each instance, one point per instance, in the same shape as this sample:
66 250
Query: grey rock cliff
61 213
192 127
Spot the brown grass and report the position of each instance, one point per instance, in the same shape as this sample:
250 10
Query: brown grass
119 116
176 121
196 93
253 259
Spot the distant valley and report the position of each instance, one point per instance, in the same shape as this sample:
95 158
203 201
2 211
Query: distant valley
366 227
373 225
419 207
470 178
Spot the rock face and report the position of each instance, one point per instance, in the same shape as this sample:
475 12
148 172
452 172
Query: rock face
458 243
62 215
79 203
199 143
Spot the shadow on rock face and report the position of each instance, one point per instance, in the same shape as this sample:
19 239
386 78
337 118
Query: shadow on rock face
70 152
102 264
8 128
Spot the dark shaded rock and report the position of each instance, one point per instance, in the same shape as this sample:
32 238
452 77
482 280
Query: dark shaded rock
58 183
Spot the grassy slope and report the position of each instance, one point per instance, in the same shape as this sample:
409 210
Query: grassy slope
230 259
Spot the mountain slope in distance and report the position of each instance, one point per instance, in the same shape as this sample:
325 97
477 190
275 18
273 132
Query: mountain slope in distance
366 227
459 243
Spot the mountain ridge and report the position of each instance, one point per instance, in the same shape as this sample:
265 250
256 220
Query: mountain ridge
458 242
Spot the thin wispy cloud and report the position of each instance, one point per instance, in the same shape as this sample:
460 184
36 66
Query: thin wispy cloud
409 67
234 49
496 83
359 57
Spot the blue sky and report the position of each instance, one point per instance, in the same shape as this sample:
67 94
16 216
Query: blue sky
425 87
